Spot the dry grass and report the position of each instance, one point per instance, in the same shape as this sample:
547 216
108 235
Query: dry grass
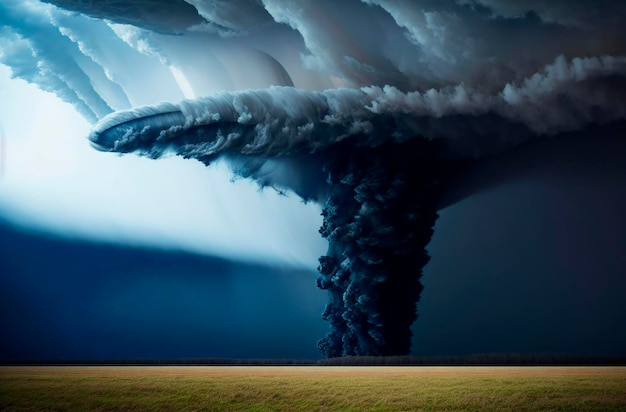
286 388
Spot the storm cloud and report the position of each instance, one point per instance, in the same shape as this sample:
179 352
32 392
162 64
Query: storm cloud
393 101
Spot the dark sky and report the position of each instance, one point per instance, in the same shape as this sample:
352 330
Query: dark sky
535 266
532 267
66 299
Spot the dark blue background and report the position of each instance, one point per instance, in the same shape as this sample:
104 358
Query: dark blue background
536 266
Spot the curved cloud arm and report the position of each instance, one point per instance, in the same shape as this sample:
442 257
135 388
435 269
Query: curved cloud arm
273 122
282 121
123 131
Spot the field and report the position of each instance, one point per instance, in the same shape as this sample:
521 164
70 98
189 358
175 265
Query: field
304 388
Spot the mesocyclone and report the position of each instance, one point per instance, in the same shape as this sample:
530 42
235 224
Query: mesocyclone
379 161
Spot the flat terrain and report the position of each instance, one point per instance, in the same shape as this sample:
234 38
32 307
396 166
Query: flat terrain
304 388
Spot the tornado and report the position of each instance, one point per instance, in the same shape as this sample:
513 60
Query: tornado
381 162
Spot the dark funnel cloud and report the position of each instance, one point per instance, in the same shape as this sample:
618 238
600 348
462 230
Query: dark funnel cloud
416 97
378 219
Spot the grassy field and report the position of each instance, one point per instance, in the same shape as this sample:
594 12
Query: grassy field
304 388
